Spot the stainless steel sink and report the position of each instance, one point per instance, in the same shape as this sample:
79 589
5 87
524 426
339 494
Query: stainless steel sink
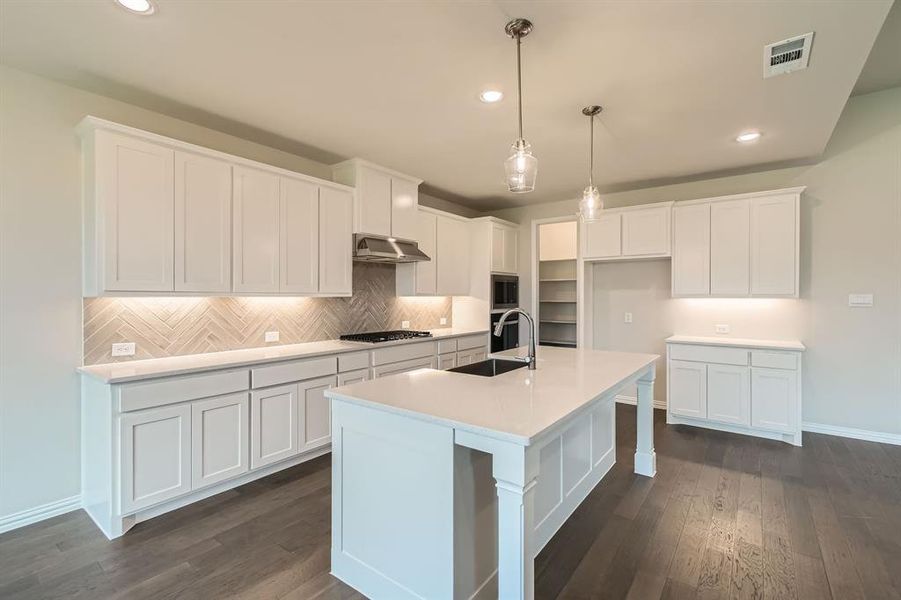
490 367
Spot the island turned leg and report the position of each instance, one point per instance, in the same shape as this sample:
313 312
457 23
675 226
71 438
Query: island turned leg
645 457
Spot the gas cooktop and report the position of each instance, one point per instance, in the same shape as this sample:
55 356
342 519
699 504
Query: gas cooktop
375 337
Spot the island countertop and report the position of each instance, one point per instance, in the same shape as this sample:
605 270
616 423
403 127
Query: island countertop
516 406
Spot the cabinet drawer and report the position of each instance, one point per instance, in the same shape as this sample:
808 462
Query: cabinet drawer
137 396
394 354
295 370
445 346
473 341
404 367
709 354
353 361
774 360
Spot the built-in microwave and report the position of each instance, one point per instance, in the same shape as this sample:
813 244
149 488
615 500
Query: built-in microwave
504 292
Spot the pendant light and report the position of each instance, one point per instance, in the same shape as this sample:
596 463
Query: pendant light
521 167
591 205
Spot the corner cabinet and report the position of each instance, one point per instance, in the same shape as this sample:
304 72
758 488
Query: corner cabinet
445 239
751 387
164 216
385 201
745 245
628 233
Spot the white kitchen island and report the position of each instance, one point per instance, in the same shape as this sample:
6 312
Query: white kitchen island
446 485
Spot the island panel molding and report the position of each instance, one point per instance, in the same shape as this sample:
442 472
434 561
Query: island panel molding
175 326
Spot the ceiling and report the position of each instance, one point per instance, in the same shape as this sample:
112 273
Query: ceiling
397 82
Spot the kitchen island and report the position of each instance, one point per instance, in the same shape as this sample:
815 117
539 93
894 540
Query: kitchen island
446 485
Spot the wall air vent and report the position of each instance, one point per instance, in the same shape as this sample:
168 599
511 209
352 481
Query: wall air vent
787 56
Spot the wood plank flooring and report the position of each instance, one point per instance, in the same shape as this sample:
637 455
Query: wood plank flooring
726 517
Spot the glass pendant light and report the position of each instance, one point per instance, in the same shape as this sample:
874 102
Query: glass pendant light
591 204
521 166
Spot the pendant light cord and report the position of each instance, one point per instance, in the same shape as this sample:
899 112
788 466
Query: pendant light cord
591 152
519 80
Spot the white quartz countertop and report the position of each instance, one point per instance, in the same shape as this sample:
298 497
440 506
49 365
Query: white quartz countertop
192 363
515 406
742 342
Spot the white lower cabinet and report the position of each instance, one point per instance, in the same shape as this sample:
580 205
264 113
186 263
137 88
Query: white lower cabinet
774 395
156 456
447 361
736 388
353 377
728 397
314 425
428 362
473 355
219 439
273 422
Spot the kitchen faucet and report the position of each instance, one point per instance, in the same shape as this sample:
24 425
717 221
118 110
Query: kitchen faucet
499 328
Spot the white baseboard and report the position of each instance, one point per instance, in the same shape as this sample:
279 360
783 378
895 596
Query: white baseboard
39 513
658 404
850 432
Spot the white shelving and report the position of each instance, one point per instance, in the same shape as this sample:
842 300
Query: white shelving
557 284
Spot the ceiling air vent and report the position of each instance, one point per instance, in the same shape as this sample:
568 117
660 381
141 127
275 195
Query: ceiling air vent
787 56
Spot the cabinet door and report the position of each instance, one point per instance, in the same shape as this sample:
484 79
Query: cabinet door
135 189
299 237
203 223
646 232
273 425
373 202
774 246
497 248
774 399
467 357
511 250
404 209
452 253
405 366
353 377
691 250
728 394
687 389
729 248
335 241
219 439
602 238
314 412
426 273
256 231
447 361
156 456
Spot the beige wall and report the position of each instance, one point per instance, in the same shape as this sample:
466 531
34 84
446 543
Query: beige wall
850 242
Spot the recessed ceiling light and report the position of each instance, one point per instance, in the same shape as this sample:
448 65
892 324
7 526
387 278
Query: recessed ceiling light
489 96
143 7
748 137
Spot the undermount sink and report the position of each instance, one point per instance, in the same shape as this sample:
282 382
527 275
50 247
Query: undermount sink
490 367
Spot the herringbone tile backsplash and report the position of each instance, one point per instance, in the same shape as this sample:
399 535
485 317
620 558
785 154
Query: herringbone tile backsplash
173 326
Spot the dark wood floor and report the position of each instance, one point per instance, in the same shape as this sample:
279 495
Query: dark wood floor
726 516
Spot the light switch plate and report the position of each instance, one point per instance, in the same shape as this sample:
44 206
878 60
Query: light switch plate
860 300
272 336
722 328
404 324
124 349
627 318
443 321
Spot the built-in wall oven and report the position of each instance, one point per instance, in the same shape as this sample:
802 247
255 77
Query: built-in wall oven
504 292
509 338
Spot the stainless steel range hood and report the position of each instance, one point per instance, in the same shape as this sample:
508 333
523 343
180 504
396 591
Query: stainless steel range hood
372 248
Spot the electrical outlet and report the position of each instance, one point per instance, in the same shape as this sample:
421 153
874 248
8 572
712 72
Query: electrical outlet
404 324
443 321
124 349
271 336
723 328
627 318
860 300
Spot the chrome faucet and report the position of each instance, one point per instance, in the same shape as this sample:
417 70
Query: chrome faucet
499 328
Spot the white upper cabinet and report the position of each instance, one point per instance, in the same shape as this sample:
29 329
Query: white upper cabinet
385 201
421 278
130 225
691 250
256 238
504 249
203 223
163 215
299 237
633 232
774 245
452 256
335 241
738 246
729 249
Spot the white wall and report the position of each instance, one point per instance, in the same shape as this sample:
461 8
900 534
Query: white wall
850 242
